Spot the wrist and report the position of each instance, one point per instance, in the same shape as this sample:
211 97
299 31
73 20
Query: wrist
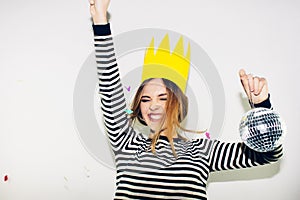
100 19
265 103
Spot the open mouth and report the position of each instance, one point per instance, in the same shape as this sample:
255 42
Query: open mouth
154 117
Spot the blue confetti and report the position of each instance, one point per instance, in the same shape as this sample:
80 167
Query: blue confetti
128 111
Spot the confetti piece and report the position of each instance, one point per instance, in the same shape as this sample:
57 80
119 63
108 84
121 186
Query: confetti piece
87 172
128 88
128 111
207 135
5 178
65 178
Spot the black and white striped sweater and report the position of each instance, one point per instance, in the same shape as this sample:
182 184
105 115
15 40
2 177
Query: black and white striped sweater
140 173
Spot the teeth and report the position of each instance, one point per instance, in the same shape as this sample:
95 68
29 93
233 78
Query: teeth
155 116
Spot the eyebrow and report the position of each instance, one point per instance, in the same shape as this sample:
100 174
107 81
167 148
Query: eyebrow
163 94
160 95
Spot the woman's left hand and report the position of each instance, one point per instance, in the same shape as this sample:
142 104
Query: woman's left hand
255 87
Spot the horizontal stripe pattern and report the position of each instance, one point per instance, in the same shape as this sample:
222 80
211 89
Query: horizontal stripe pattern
143 175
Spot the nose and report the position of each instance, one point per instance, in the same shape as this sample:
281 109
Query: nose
154 106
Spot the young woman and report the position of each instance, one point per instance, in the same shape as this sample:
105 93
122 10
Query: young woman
164 166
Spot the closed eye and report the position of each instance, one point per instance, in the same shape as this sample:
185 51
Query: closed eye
163 97
145 100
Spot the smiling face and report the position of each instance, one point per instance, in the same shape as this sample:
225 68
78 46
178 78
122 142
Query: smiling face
153 103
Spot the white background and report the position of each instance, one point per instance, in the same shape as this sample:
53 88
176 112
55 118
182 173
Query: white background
43 45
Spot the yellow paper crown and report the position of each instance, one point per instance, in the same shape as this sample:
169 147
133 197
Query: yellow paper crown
164 64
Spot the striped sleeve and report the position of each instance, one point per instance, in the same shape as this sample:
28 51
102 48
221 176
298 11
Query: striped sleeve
226 156
113 103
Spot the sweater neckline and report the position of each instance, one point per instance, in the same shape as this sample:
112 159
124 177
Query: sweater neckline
164 138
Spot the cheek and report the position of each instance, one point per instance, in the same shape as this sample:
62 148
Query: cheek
144 109
163 105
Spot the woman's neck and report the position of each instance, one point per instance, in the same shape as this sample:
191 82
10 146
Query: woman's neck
162 132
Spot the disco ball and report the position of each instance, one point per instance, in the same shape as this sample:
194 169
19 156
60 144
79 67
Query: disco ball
262 129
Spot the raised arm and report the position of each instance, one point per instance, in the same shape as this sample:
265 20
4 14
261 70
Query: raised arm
113 103
238 155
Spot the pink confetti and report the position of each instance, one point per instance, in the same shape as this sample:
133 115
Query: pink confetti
128 88
207 135
5 178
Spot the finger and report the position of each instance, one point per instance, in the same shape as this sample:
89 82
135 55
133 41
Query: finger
242 72
256 83
245 82
250 82
262 84
92 9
